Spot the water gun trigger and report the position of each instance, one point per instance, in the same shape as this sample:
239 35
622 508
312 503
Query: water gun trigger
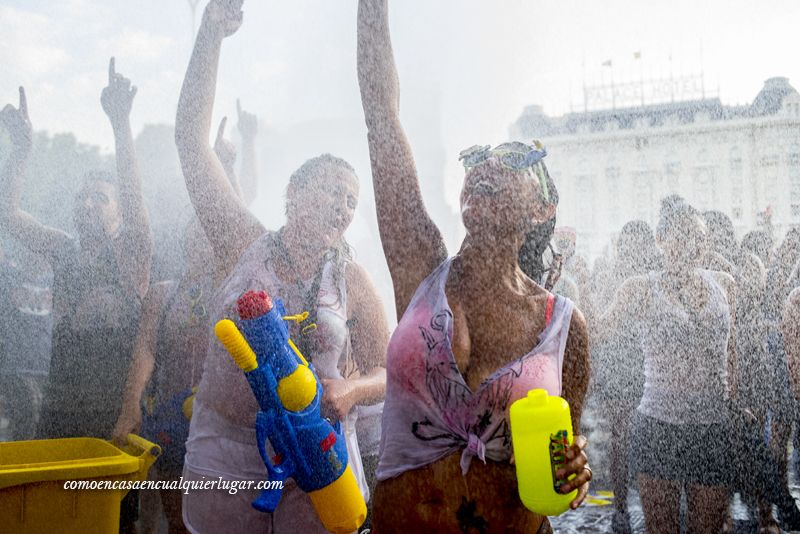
268 499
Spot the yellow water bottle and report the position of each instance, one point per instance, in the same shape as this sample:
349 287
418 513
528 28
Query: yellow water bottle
541 433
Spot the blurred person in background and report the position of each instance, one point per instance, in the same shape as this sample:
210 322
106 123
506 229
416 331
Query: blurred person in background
684 317
25 335
99 277
791 336
782 277
760 243
618 362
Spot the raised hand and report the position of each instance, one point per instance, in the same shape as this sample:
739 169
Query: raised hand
224 16
117 98
248 123
17 122
226 151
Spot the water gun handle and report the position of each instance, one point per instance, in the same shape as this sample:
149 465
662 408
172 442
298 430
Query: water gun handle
269 498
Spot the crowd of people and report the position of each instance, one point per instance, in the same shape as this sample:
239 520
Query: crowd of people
686 338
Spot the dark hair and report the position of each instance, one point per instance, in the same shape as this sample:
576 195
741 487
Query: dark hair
536 241
758 242
786 257
315 168
637 252
722 235
674 212
788 253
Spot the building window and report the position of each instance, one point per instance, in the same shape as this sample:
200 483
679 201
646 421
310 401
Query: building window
613 191
770 160
705 188
584 198
643 196
735 160
672 176
793 157
772 195
737 188
794 193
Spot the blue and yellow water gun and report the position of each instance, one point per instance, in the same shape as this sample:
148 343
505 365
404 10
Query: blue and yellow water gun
308 448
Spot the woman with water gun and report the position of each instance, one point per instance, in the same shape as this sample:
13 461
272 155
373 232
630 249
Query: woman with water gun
308 264
476 333
684 317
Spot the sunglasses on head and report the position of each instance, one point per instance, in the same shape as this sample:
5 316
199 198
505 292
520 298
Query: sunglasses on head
515 155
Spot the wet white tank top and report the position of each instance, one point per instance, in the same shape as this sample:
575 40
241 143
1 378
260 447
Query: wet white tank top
219 446
685 356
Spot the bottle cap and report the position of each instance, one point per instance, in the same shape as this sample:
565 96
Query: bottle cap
537 397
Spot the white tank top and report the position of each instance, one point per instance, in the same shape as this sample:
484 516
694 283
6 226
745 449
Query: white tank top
685 356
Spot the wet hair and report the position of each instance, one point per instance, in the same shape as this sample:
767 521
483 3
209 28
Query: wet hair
786 257
674 212
637 252
722 235
317 168
758 242
788 253
536 241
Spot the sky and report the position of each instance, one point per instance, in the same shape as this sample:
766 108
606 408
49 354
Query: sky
467 67
295 61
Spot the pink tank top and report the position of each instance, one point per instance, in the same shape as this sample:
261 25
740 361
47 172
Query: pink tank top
430 412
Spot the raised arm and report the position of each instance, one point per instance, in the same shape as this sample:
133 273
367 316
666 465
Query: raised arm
729 286
412 243
226 152
229 226
135 244
248 173
19 224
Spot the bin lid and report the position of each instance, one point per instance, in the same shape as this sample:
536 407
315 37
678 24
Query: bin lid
25 462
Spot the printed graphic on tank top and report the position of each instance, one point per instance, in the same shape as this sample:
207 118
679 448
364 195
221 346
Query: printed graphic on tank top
430 412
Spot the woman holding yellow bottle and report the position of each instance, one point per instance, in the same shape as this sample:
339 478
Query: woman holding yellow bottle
476 333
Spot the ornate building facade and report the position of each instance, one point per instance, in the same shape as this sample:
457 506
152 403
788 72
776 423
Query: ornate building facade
614 165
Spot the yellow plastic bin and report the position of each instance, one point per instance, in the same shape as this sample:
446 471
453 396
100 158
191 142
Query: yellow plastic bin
33 474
